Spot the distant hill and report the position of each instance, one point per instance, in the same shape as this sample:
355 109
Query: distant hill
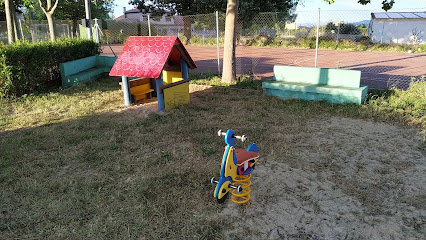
366 22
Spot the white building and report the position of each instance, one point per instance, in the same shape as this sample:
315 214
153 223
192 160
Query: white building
164 25
398 27
135 15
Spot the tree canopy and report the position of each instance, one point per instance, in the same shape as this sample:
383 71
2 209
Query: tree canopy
386 4
343 28
247 9
74 10
181 7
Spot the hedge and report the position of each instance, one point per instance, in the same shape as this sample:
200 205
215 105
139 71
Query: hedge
34 67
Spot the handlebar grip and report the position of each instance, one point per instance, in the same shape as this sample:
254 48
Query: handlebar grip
242 138
221 133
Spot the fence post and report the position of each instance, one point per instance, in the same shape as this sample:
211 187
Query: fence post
204 32
149 25
337 36
98 40
89 19
316 48
217 42
20 26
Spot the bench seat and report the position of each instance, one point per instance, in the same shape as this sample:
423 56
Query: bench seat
310 84
316 92
84 76
85 69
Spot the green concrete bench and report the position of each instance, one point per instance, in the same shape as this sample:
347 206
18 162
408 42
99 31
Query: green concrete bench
85 69
332 85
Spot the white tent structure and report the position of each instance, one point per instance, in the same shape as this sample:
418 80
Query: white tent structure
398 27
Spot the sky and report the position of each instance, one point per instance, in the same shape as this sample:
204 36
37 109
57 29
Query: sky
347 9
350 10
118 9
354 5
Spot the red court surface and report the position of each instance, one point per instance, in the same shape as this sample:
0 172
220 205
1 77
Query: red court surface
379 69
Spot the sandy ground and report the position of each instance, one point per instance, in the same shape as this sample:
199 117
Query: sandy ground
147 106
347 179
341 178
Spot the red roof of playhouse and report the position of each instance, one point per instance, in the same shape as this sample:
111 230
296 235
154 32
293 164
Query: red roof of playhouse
147 56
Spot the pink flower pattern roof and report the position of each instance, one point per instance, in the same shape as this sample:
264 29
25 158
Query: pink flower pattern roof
145 56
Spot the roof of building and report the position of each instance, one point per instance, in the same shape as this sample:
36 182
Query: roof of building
399 15
147 56
129 20
134 10
120 17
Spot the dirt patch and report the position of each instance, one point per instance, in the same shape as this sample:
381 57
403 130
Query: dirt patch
147 106
344 179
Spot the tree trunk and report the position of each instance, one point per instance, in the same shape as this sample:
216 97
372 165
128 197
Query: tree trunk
74 28
51 22
9 21
48 11
229 73
187 29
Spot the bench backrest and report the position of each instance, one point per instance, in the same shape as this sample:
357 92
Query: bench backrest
76 66
322 76
105 61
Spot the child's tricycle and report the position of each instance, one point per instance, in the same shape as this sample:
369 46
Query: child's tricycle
236 169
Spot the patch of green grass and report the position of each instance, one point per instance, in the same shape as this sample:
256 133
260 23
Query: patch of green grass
242 82
210 79
410 103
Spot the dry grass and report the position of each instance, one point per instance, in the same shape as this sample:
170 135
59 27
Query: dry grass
67 104
102 173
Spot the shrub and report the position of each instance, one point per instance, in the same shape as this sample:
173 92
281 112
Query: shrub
34 67
410 102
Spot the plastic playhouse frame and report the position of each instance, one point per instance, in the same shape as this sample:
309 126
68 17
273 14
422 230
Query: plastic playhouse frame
161 59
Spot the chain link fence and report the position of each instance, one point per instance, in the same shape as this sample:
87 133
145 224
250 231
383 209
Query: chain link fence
387 54
34 31
388 48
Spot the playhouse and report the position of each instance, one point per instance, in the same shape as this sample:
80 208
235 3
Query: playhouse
154 67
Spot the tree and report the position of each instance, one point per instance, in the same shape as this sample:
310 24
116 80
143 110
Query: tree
155 8
342 28
349 29
386 4
181 7
75 11
229 66
8 9
48 10
229 72
248 10
11 8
